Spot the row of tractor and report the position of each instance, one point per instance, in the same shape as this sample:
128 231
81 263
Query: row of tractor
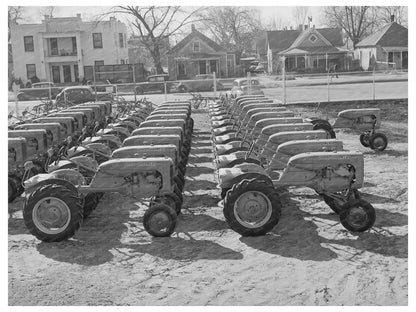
141 152
261 147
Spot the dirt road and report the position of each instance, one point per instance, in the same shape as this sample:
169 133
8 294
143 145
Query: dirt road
308 259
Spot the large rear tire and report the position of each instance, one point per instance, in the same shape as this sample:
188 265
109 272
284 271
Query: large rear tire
324 126
53 213
252 207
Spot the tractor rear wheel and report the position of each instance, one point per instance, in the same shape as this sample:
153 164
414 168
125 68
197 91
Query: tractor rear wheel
357 215
378 142
160 220
53 213
252 207
324 126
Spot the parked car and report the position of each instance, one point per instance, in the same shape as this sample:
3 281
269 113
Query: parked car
241 87
199 84
81 94
37 93
43 85
154 83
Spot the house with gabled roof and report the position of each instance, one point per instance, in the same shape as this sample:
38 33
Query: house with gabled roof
196 54
306 49
386 48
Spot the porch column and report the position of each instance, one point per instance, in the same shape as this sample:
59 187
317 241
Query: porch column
401 59
226 65
79 56
326 61
306 62
296 61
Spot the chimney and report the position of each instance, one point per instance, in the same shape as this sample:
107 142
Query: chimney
300 27
192 27
291 27
392 18
306 26
79 15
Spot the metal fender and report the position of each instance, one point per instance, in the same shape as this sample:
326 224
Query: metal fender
67 177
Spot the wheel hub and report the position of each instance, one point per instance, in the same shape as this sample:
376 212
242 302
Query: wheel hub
357 216
378 142
51 215
159 222
252 209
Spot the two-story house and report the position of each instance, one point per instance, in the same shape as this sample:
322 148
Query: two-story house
58 49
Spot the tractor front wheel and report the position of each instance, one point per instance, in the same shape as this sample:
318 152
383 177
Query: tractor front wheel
160 220
337 200
378 142
252 207
357 215
365 139
53 213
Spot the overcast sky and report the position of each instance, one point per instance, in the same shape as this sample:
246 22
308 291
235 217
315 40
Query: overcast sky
33 14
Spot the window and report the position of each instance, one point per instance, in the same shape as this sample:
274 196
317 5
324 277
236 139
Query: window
196 46
98 63
122 61
97 40
29 47
312 38
54 46
121 40
31 70
74 44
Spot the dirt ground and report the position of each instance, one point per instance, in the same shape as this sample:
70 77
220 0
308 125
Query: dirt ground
308 258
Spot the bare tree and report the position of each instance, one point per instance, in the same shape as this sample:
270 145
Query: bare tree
155 24
386 12
48 10
14 15
300 13
356 21
275 23
235 28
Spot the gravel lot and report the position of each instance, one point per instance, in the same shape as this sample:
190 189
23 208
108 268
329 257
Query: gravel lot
308 259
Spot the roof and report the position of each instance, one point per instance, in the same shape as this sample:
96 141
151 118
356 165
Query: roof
196 34
391 35
280 40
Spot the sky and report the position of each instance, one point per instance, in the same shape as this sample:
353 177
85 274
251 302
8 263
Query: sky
267 13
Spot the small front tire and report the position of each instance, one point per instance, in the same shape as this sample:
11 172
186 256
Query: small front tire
160 220
357 215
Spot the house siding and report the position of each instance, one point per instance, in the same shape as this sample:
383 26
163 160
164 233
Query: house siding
63 29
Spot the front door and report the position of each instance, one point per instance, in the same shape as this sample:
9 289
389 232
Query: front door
56 74
67 73
202 67
181 70
213 67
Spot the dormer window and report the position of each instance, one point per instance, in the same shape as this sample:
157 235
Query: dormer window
196 46
312 38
